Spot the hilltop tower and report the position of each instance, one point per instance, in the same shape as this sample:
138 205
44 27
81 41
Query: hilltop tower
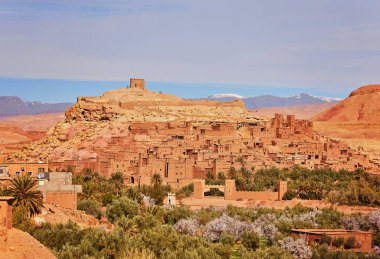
137 83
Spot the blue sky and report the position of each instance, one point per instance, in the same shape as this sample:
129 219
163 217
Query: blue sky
56 50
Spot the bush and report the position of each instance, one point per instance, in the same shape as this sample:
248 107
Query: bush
173 215
350 243
187 226
289 195
90 207
122 207
298 248
226 239
214 192
325 239
185 191
338 242
250 240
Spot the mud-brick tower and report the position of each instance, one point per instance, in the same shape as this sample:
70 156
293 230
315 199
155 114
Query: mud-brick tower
282 187
137 83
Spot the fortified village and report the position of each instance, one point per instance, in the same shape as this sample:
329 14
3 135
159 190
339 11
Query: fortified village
139 133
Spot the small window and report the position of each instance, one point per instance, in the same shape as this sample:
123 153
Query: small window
17 173
22 169
30 173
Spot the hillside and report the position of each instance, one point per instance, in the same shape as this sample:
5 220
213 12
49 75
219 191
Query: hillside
13 105
38 122
92 122
362 106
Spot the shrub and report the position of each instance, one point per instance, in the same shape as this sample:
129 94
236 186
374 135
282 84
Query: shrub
186 190
232 226
289 195
298 248
214 192
57 236
250 240
90 207
122 207
338 242
226 239
325 239
173 215
187 226
266 252
349 243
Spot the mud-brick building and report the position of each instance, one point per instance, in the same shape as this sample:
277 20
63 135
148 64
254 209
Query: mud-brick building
363 239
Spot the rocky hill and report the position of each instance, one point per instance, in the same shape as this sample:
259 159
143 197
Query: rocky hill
362 106
93 121
135 104
13 105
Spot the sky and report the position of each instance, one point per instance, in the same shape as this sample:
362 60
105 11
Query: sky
52 50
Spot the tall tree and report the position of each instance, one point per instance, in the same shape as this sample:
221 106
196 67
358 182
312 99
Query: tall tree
27 197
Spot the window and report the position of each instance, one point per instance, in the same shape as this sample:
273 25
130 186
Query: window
30 173
41 170
17 173
22 169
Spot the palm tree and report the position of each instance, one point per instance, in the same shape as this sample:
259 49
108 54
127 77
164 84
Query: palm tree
89 192
117 179
27 197
156 179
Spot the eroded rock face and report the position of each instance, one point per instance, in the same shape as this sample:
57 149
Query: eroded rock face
362 106
367 89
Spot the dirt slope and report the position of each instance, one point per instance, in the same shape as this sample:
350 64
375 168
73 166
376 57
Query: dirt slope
21 245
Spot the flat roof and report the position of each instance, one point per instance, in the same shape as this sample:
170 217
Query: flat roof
328 231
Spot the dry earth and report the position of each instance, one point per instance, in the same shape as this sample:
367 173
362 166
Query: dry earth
363 136
40 122
21 245
196 204
55 215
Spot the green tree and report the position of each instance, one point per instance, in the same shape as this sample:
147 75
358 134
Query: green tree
27 197
117 180
156 180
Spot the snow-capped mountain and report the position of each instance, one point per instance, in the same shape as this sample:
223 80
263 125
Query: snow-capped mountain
266 101
13 105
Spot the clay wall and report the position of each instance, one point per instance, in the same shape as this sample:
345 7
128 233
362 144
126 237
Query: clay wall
5 212
67 200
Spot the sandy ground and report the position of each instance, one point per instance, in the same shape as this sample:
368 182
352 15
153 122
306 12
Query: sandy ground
21 245
56 215
39 122
196 204
357 135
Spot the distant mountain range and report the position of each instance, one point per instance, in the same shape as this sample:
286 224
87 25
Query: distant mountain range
266 101
13 105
